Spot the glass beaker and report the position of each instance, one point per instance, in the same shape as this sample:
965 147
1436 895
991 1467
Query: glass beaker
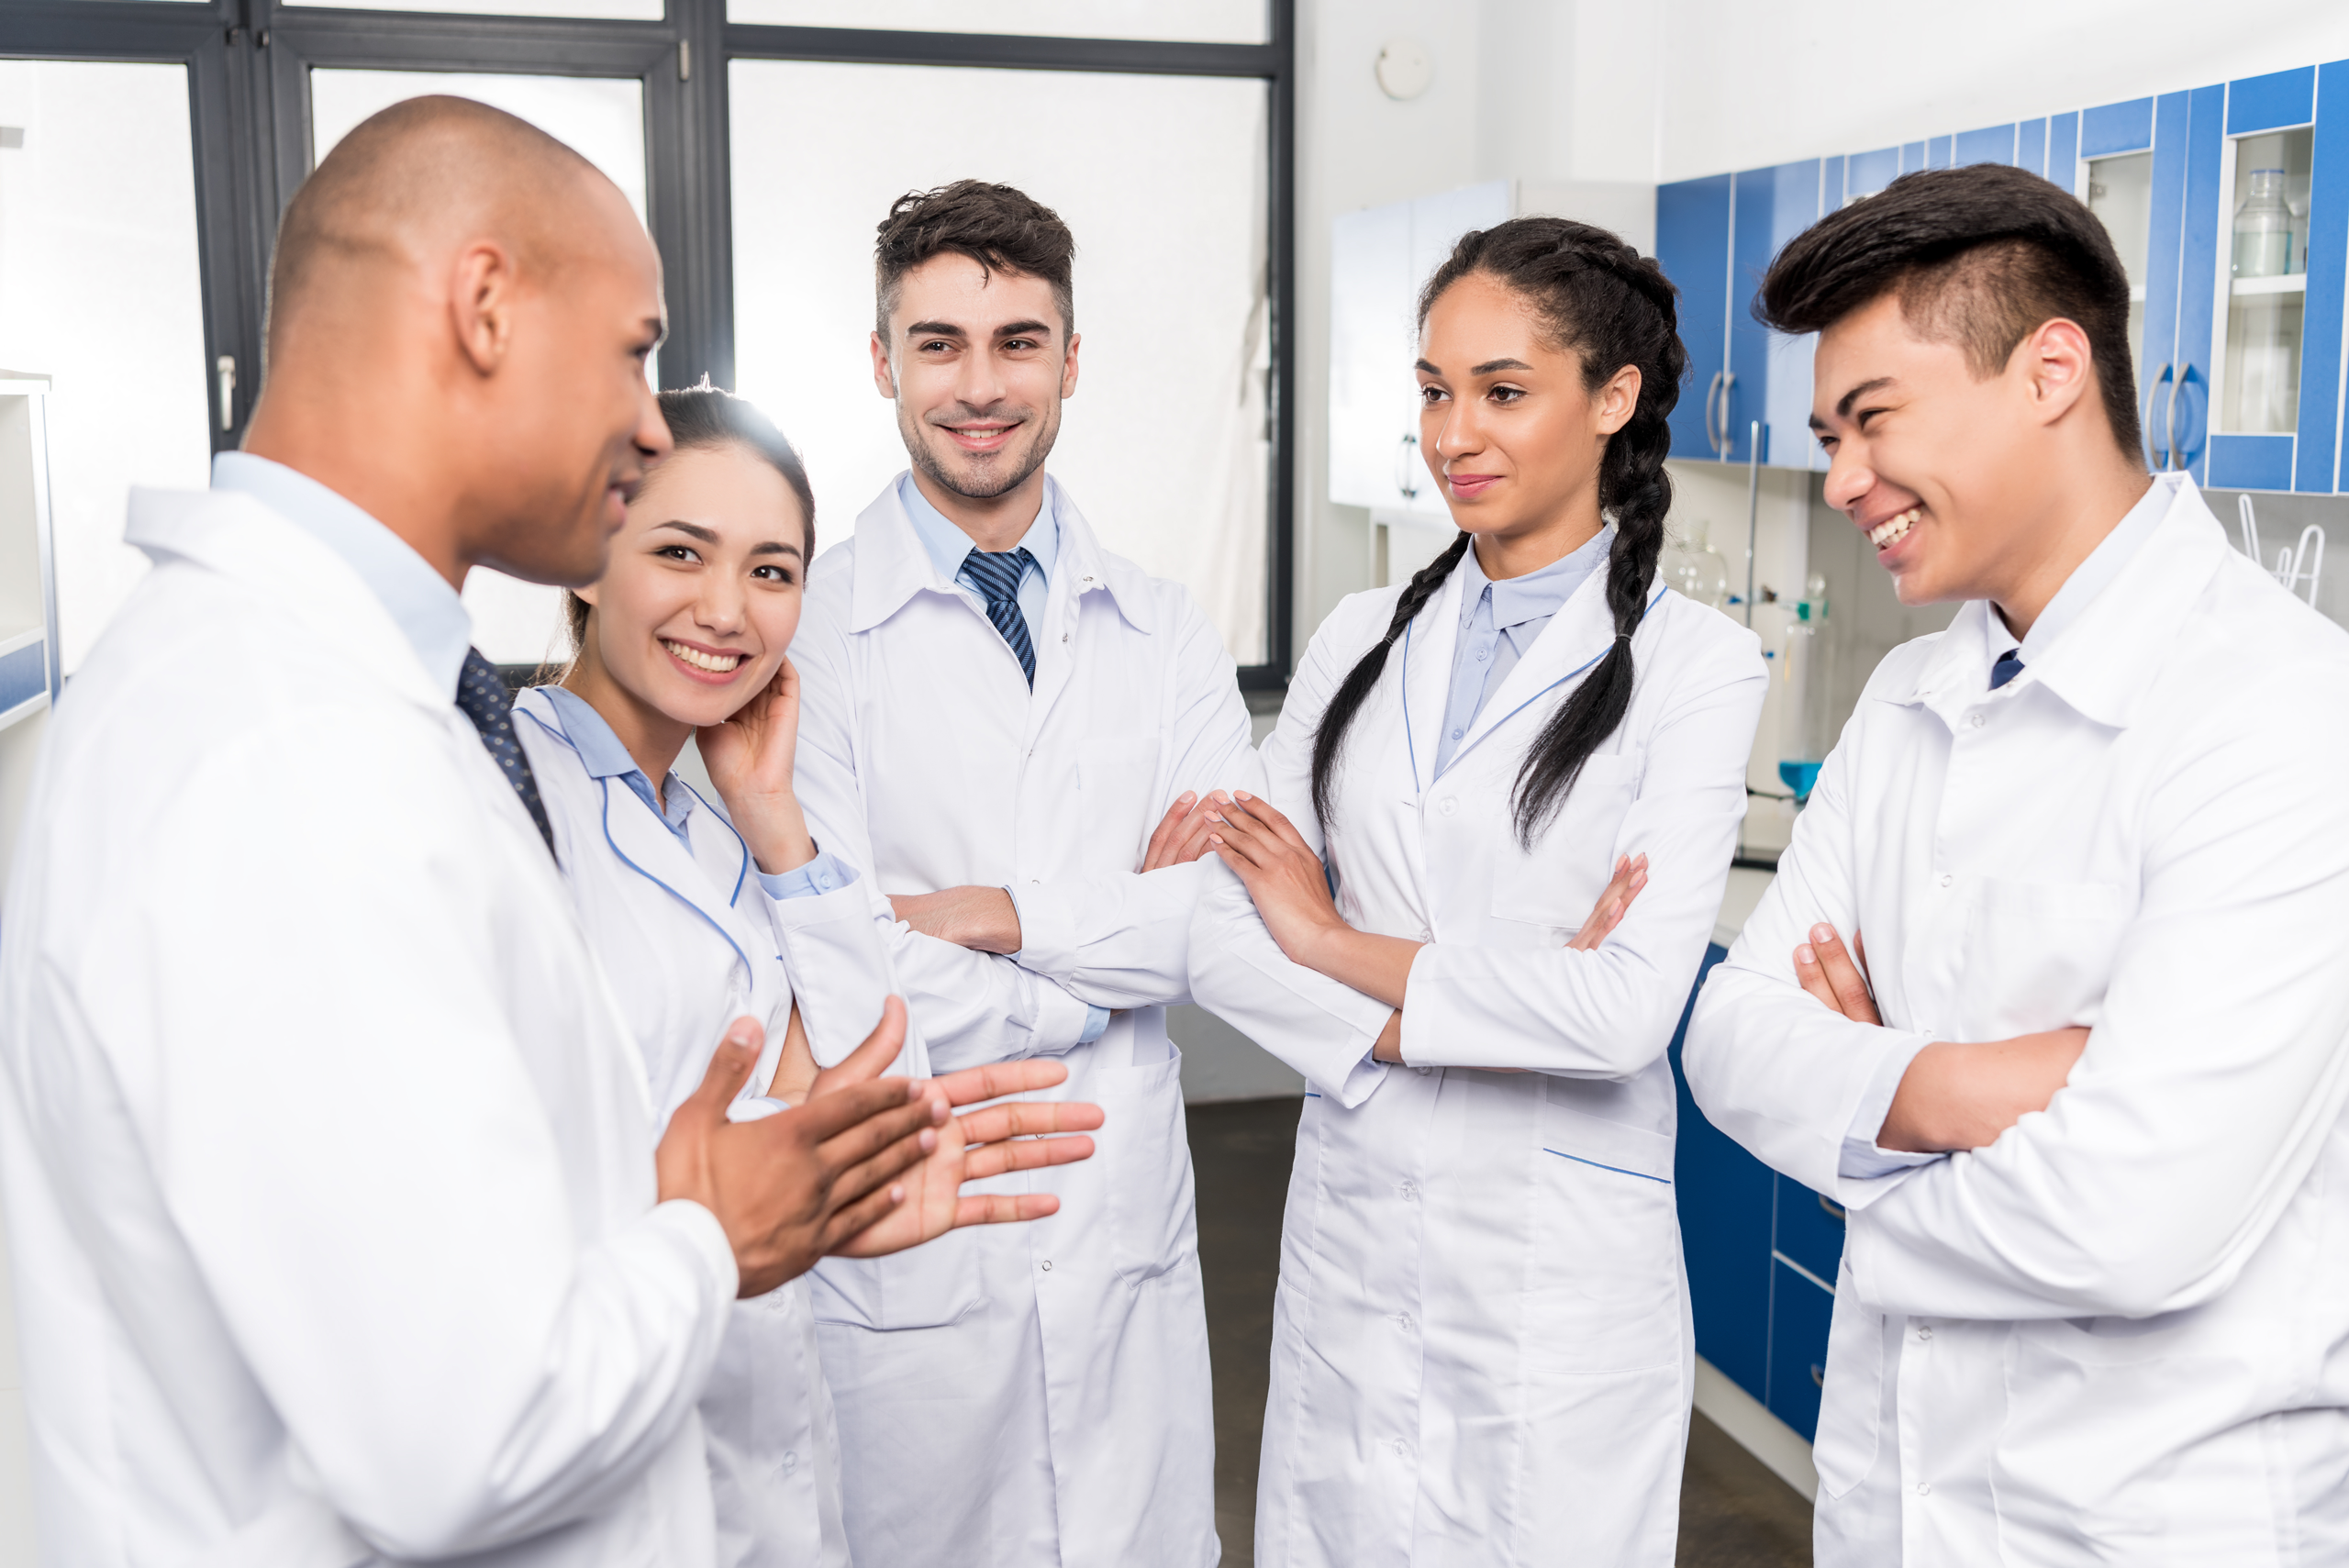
2263 228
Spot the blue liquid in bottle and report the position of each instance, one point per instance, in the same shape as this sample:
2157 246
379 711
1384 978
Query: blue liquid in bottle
1799 777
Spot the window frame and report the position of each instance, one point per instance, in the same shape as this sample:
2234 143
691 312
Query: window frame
248 64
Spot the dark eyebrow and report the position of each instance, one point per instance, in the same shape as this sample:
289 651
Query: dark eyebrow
691 530
1426 369
1844 407
1489 366
1024 329
934 330
775 547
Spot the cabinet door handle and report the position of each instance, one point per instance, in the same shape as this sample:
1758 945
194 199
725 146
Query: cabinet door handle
2176 385
1835 1211
1407 468
1818 1375
1712 392
2157 456
226 367
1729 384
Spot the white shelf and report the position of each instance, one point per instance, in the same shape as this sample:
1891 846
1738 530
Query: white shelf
2290 282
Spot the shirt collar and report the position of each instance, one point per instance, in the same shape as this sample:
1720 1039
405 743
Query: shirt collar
427 610
603 756
947 544
1537 596
2092 577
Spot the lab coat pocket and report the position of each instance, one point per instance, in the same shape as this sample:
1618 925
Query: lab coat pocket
1844 1450
2039 955
1605 1293
1147 1166
925 1287
1556 884
1116 783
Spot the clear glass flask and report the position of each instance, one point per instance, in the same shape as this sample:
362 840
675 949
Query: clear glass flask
1808 719
2264 227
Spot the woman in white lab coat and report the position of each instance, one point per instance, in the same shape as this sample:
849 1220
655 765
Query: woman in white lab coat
1481 1347
702 912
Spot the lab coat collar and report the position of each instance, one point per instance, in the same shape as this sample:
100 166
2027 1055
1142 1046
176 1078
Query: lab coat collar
315 587
893 566
710 878
2105 661
1576 637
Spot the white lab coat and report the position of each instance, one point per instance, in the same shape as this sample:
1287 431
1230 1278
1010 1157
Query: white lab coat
327 1158
1481 1347
691 941
2120 1333
1031 1393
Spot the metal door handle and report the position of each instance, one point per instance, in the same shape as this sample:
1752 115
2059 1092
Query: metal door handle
1407 468
1712 392
2159 456
1818 1375
1835 1211
2169 425
226 365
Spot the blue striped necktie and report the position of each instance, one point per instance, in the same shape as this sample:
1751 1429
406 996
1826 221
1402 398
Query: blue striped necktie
997 577
2009 666
482 693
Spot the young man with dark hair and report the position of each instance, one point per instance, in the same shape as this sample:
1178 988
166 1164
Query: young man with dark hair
2077 1076
996 711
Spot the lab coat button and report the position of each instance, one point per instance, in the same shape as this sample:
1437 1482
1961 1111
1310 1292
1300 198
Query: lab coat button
1408 1324
1411 1192
1947 879
790 1463
1450 803
1924 1332
1924 1489
1048 1265
1400 1448
1978 721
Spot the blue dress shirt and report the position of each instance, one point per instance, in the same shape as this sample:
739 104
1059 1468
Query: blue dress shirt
948 546
426 610
1498 621
605 757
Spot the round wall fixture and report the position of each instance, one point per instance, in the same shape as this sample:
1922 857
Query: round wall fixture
1405 69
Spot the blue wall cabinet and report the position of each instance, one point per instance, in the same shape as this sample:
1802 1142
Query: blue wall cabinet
1692 240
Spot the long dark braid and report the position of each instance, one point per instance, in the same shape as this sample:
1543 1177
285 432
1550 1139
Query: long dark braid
1613 307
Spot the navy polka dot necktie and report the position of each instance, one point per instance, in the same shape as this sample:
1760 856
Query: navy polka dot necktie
481 692
997 577
2009 666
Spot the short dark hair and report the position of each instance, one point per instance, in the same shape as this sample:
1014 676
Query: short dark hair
703 418
1001 228
1981 256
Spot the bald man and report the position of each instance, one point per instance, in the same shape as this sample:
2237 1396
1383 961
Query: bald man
340 1230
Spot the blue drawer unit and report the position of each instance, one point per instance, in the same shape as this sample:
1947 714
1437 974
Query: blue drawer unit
1801 1309
1692 233
1724 1198
1810 1228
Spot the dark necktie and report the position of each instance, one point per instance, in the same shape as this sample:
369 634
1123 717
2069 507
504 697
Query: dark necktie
997 577
481 691
2009 666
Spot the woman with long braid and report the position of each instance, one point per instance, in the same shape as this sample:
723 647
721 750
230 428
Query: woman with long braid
1525 772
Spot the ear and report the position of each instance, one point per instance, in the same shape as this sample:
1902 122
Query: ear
587 592
481 300
1068 366
2054 368
1618 400
885 380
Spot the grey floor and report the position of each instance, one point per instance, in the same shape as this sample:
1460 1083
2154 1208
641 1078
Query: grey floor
1733 1512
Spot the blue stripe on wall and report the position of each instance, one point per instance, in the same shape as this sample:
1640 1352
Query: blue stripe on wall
24 674
2328 254
2064 150
1868 172
2263 103
1912 157
1992 144
2117 128
2030 146
1937 152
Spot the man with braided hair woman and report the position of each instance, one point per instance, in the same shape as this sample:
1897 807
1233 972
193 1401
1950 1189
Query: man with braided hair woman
1526 771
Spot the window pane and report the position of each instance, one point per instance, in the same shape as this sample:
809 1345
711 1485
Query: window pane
1165 447
601 117
100 289
614 10
1194 21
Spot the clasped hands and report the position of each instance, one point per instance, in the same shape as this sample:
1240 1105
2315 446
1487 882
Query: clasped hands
863 1165
1955 1095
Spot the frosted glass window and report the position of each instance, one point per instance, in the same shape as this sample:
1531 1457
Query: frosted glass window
1165 448
610 10
1186 21
603 120
100 289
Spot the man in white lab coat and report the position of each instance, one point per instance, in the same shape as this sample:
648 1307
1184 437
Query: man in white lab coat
2050 991
339 1230
994 712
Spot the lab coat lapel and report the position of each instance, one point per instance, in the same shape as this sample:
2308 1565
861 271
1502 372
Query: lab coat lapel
1080 568
1573 641
1425 652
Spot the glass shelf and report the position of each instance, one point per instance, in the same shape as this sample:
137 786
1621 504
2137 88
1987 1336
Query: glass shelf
2120 193
2259 390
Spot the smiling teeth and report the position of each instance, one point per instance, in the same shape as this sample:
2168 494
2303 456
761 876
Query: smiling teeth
716 663
1891 528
